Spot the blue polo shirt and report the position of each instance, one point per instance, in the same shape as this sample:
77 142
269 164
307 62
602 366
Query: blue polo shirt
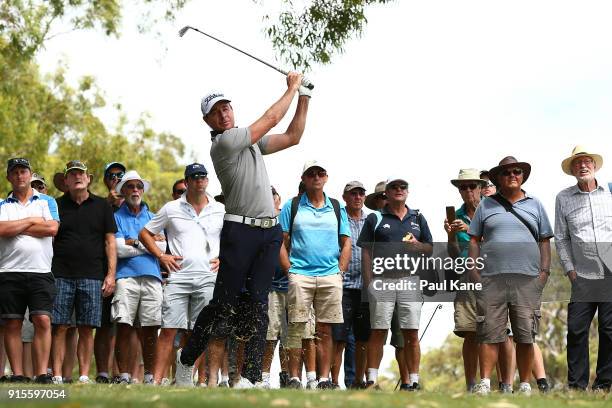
314 244
128 227
385 237
508 245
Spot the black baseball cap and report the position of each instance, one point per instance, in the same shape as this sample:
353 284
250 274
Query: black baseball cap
17 161
195 168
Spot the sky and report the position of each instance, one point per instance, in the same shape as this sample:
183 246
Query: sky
427 89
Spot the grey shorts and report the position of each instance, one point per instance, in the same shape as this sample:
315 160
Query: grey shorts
510 295
383 303
184 298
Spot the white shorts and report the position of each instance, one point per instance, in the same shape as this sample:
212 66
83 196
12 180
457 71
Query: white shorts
382 305
137 298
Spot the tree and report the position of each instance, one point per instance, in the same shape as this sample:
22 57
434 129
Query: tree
318 31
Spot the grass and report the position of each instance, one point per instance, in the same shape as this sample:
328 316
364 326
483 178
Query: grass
164 397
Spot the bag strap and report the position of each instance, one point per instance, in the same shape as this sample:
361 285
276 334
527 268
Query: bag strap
509 208
295 202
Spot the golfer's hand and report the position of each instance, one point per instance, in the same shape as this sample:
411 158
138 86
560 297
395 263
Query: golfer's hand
214 265
294 80
108 287
169 262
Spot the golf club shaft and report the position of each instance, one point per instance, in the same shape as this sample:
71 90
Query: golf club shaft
182 31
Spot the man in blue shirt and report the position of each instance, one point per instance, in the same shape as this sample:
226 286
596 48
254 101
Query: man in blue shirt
315 254
138 291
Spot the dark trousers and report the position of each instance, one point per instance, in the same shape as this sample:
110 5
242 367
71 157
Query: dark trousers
579 317
248 258
349 360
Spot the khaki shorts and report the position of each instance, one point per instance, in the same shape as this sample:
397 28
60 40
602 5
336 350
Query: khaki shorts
324 293
514 295
465 313
310 328
277 317
137 298
185 298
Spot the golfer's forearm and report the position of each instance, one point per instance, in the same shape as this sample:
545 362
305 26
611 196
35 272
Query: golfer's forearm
298 123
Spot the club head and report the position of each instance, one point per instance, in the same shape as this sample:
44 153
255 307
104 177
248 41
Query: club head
183 30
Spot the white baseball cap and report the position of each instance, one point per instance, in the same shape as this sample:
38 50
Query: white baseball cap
311 163
393 178
132 175
209 101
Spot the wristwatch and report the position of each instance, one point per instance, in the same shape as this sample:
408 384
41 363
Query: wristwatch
136 243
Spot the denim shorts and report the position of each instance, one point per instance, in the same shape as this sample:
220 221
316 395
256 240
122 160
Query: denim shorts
84 296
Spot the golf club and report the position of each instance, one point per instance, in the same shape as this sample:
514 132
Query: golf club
183 30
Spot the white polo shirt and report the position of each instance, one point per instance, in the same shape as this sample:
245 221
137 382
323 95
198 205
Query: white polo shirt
194 237
23 253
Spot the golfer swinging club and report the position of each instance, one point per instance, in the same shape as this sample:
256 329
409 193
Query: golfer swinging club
251 236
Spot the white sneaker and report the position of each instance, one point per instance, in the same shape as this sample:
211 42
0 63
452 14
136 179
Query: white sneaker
482 388
57 379
84 380
243 384
223 384
165 382
184 373
525 389
262 385
312 385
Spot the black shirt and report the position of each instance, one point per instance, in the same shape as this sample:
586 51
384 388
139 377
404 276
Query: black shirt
79 247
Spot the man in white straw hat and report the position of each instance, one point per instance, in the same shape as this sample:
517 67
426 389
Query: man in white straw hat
583 233
138 290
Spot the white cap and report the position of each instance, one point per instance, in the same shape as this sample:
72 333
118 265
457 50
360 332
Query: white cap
209 101
393 178
311 163
132 175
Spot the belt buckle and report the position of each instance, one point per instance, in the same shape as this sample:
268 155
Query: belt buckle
252 223
266 223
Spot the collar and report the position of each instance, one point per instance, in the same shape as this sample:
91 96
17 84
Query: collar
215 133
12 199
410 213
304 201
183 199
527 196
576 190
69 197
123 208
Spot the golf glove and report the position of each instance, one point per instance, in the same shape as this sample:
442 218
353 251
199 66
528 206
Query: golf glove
303 91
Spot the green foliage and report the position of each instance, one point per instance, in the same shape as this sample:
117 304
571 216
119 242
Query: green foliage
318 31
50 122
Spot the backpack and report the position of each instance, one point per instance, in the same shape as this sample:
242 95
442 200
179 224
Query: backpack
295 201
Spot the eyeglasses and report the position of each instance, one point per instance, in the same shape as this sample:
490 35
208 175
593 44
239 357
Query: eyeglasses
516 172
586 161
398 187
115 176
198 176
314 173
357 192
464 187
180 191
38 186
137 186
489 184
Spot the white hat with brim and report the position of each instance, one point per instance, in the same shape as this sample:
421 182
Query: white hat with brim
132 175
579 151
466 175
209 101
393 178
310 164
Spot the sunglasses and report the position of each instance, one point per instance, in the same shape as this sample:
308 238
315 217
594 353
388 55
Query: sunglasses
489 184
516 172
198 176
314 173
181 191
137 186
398 187
115 176
38 186
464 187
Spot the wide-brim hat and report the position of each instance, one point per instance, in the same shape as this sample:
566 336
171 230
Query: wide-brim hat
578 151
468 175
508 162
371 198
132 175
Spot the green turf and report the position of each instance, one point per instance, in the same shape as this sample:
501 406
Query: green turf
161 397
